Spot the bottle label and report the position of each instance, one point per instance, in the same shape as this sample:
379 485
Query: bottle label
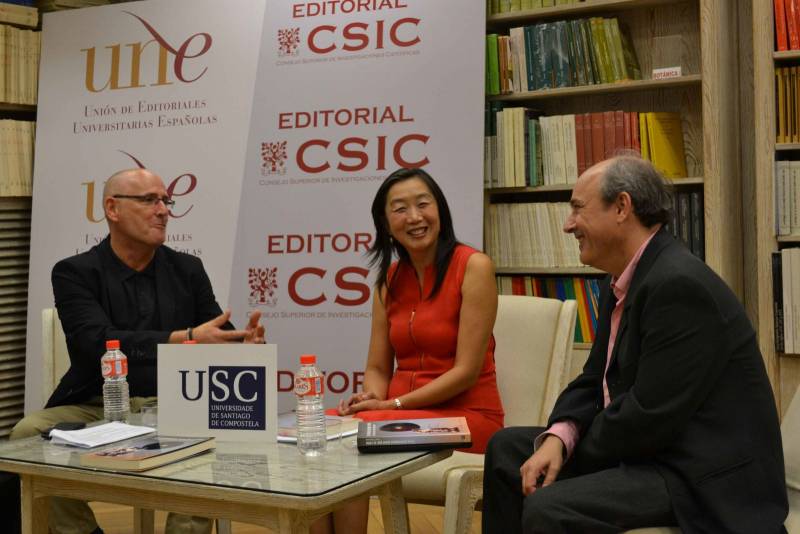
308 385
114 369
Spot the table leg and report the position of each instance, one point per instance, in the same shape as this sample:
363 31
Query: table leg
143 521
394 508
34 509
293 522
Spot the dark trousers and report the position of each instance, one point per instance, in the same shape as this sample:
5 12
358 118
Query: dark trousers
625 497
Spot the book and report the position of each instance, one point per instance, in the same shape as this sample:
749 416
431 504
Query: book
781 41
777 301
413 434
145 453
665 140
287 427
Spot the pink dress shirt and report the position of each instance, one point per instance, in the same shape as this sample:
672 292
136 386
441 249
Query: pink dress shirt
567 431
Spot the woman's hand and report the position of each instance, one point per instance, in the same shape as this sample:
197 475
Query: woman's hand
363 401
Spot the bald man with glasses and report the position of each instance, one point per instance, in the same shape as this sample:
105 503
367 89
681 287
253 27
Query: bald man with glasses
133 288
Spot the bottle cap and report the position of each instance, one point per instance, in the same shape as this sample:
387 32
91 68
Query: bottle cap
190 342
308 359
112 344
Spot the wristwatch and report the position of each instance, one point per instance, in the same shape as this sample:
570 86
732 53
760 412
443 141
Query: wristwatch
397 404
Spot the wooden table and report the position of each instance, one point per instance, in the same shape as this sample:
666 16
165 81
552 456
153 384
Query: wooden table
270 485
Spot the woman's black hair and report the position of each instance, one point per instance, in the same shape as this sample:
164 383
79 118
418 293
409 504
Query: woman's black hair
381 251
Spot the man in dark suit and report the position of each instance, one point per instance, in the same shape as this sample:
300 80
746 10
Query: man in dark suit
672 420
133 288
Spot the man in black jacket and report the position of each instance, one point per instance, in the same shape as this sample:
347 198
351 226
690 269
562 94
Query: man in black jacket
672 420
132 288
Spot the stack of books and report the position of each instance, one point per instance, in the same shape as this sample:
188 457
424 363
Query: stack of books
564 53
16 158
530 235
524 149
585 291
19 65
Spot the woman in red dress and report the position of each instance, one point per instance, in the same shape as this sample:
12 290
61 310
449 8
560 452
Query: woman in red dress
431 351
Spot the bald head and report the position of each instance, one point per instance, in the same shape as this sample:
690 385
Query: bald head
122 182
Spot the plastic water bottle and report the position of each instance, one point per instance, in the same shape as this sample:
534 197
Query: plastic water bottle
308 386
114 365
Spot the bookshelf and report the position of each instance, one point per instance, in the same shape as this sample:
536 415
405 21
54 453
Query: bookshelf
707 34
15 223
759 116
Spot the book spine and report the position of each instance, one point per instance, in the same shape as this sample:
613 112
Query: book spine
781 40
698 235
777 301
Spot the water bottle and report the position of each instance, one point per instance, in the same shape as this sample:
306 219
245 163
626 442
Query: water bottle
308 386
114 365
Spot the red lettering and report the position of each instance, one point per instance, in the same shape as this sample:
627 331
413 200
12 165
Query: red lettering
393 32
172 193
358 380
181 55
294 243
274 245
285 381
312 36
358 287
350 34
359 155
337 389
295 296
301 154
398 147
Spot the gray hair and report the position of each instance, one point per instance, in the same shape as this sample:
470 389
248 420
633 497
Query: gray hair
651 194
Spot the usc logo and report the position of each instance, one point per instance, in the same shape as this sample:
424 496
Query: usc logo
178 55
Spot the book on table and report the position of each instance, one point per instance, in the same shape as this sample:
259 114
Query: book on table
413 434
287 427
147 452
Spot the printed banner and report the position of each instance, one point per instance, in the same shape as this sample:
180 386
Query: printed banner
355 91
225 391
272 123
163 85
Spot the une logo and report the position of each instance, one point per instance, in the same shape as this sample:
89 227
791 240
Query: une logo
161 76
178 187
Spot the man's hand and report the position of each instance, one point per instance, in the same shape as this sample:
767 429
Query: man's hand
212 332
546 462
254 329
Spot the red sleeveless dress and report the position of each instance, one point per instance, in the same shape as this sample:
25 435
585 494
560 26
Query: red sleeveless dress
424 334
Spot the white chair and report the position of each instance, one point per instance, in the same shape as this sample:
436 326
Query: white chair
534 342
55 362
55 358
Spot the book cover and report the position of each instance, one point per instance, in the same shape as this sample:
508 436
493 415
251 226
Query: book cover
629 54
413 434
598 138
665 137
685 219
788 309
147 452
698 233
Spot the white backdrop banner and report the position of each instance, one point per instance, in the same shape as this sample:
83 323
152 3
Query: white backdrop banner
272 124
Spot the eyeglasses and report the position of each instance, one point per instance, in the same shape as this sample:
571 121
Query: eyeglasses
150 200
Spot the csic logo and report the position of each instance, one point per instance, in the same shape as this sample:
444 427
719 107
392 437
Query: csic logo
177 187
288 41
263 283
273 158
166 56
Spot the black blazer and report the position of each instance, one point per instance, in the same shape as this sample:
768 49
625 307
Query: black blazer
689 395
90 301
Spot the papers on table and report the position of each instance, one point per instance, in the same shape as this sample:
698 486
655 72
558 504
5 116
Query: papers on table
97 435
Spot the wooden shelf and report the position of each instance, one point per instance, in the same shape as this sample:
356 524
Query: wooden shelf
4 106
18 15
787 146
502 271
788 239
678 182
601 89
787 55
590 6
